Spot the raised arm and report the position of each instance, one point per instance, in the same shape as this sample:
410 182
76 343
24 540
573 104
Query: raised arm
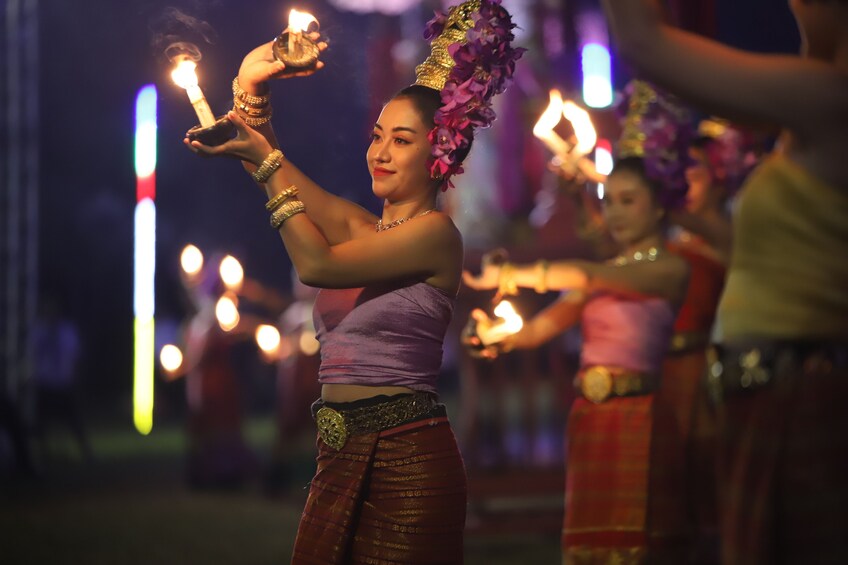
335 217
804 95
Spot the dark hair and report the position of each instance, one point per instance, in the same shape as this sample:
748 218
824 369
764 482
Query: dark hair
636 166
427 100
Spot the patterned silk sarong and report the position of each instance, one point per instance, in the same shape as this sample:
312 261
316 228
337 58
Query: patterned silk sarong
783 454
607 481
388 498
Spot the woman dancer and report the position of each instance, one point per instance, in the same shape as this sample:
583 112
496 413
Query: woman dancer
782 327
390 484
627 308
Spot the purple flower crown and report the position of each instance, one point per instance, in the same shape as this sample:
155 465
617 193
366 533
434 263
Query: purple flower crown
484 64
733 150
659 129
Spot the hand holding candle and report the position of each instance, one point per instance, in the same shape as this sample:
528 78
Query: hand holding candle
184 75
568 157
587 138
294 47
544 128
508 322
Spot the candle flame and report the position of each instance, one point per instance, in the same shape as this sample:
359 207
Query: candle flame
583 128
226 311
184 74
512 320
171 358
231 272
550 117
299 21
268 339
191 260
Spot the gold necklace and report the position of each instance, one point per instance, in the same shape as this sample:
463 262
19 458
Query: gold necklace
650 255
395 223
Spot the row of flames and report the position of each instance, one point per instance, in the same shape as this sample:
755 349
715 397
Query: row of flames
571 157
267 336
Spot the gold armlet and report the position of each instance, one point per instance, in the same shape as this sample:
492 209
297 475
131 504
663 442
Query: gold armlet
286 211
275 202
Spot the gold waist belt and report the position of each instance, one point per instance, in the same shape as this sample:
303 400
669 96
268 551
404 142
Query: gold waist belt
336 426
598 382
737 368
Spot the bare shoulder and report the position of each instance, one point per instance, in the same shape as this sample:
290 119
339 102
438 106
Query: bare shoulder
674 265
441 227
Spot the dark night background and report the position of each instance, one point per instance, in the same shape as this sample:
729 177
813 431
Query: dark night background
130 505
94 58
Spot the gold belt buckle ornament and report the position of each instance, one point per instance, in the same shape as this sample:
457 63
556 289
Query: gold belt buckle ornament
331 427
596 384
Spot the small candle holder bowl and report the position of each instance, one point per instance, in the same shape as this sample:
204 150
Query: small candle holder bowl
217 134
303 59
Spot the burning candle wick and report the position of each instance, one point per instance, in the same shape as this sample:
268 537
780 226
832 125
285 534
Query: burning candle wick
185 77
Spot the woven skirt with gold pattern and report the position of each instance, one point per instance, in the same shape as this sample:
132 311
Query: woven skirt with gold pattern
391 497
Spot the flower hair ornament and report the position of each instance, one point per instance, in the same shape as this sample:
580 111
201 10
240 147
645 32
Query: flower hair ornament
658 129
471 60
732 150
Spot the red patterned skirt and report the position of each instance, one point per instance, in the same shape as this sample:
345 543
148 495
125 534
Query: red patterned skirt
386 498
623 486
783 469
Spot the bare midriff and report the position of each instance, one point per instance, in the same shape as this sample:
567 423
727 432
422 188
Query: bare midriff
350 393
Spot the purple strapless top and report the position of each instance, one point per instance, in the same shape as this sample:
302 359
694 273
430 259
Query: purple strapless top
382 335
628 332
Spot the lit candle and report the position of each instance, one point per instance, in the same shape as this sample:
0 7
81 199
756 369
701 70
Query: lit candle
191 260
231 273
510 323
544 128
586 139
171 358
298 24
268 340
226 311
185 77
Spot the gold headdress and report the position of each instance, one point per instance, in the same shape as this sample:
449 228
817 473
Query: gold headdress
632 140
466 69
436 69
658 129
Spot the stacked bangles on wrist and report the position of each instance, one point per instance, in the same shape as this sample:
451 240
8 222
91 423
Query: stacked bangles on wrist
283 206
271 163
254 110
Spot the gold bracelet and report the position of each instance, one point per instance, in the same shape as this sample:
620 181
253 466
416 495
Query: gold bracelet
253 99
275 202
247 111
506 280
285 212
254 122
542 276
271 163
